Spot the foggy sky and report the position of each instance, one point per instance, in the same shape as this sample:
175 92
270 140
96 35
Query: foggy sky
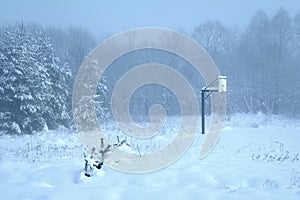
112 16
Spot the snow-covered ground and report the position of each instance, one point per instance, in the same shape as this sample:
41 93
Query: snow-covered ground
257 157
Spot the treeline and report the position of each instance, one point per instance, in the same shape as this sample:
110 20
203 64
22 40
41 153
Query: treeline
262 62
38 66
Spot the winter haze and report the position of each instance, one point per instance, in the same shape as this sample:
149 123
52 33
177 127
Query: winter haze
110 17
254 43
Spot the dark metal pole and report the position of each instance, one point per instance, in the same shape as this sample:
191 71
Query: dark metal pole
203 110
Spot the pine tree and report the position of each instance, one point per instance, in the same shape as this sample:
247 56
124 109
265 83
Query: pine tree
32 85
55 88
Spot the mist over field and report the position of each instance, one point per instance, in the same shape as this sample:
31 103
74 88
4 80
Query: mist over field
44 46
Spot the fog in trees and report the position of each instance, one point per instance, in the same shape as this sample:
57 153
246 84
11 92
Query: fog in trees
38 65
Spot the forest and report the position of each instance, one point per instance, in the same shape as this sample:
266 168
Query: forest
38 65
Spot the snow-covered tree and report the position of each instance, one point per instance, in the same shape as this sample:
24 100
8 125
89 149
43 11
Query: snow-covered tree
71 45
32 85
56 94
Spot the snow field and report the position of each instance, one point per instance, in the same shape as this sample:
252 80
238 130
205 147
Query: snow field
248 162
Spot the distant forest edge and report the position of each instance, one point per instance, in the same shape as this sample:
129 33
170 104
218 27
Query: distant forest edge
38 66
